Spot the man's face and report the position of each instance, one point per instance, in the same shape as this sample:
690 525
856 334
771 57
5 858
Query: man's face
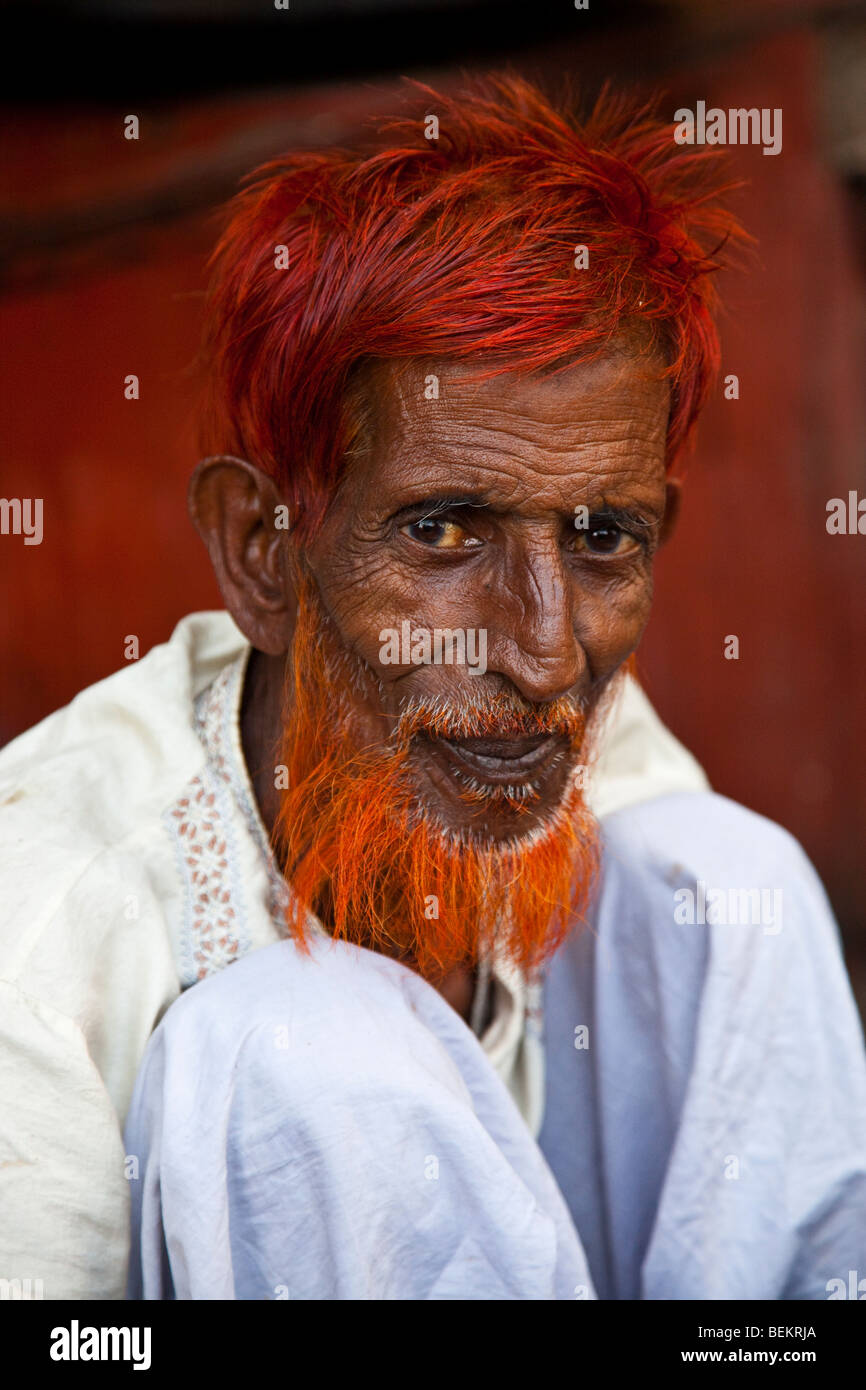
524 511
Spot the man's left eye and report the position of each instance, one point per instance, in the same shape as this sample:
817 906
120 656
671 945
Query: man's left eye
437 533
605 540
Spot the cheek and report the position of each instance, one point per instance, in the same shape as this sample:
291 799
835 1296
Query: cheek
611 618
366 596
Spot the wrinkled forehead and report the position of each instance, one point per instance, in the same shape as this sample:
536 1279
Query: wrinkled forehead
474 426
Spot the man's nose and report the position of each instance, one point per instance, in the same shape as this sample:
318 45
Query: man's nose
533 640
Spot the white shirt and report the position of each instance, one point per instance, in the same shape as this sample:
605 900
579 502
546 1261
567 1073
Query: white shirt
133 864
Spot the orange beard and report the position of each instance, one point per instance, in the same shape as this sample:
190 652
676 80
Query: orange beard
362 853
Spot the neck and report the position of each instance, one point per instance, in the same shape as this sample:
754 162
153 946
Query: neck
261 717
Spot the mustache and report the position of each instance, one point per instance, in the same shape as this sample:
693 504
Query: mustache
482 714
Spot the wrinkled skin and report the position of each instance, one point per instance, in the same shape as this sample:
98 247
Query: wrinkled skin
563 607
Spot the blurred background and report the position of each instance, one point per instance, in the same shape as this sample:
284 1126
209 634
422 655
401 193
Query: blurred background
103 242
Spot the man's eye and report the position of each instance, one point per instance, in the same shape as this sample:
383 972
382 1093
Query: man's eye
438 534
605 540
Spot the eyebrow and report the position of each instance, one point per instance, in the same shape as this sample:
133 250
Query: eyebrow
437 503
626 517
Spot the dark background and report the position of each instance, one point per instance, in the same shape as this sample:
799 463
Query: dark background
102 250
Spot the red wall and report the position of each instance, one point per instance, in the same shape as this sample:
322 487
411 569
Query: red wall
782 728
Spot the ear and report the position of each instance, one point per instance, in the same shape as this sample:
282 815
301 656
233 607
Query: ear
240 515
673 498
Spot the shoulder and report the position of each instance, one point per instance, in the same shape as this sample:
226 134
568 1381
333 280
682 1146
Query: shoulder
83 766
88 875
78 788
699 833
697 880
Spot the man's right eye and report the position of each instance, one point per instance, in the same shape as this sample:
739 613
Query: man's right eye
438 533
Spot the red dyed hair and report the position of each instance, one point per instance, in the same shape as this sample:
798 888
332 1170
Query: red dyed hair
460 247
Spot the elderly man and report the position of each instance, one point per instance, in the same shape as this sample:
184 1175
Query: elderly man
539 1016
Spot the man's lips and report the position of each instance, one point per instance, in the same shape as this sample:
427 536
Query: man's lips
504 760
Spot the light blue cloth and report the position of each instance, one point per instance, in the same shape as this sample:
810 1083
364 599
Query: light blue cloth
327 1127
708 1043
